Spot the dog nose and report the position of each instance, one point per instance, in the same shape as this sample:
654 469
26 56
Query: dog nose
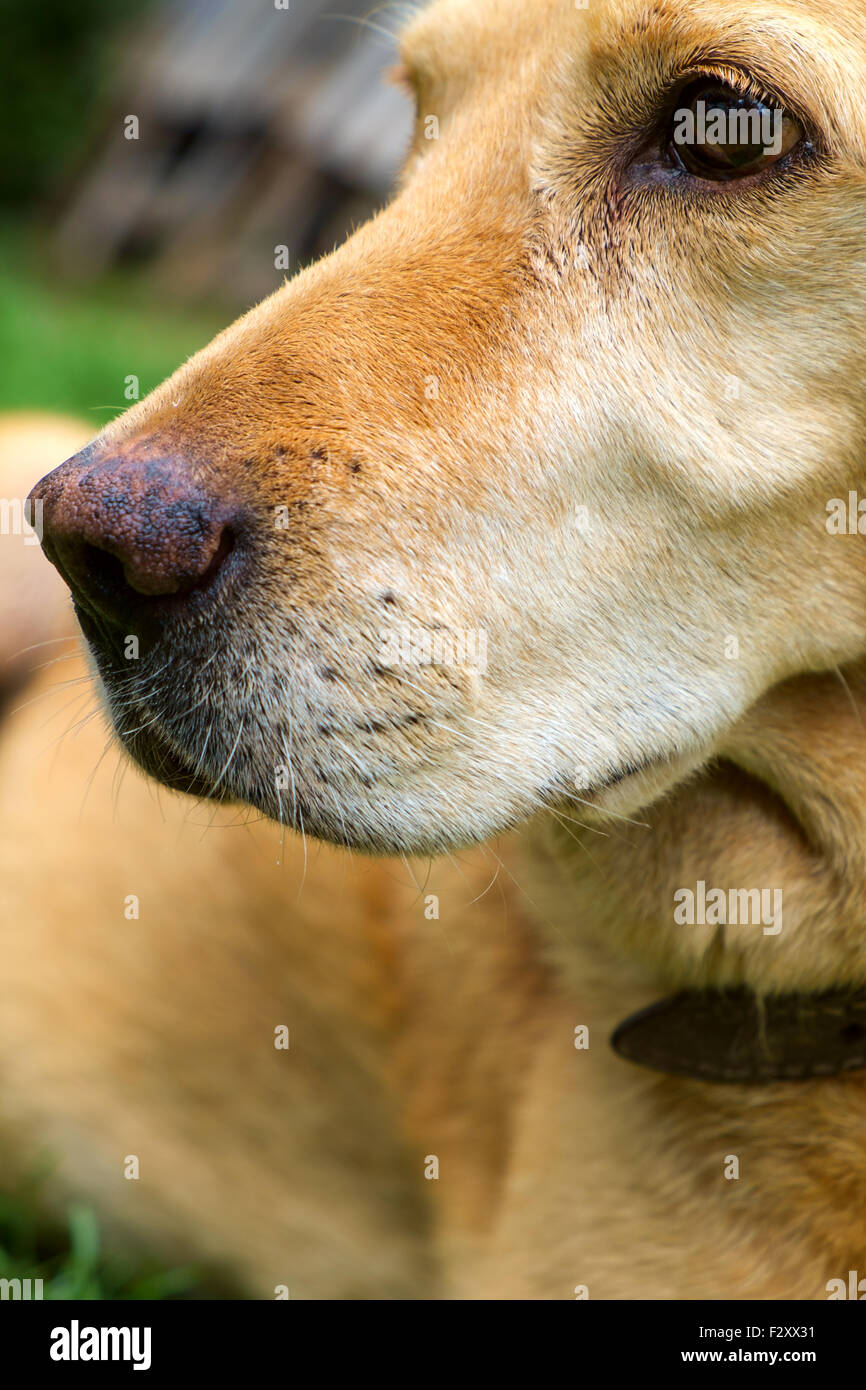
127 531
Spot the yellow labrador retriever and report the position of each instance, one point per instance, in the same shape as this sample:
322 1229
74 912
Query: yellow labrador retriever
534 508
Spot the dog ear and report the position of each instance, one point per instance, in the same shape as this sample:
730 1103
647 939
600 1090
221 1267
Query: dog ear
36 619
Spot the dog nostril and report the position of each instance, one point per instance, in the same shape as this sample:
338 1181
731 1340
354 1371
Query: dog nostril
225 546
104 569
113 577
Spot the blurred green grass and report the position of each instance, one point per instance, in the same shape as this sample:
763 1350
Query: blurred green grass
69 348
71 1263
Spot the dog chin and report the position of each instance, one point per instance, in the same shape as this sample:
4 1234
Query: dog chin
161 761
635 787
388 826
394 822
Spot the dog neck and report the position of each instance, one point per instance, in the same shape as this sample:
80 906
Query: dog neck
750 876
784 809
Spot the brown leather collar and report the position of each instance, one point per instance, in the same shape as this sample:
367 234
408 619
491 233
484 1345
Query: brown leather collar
736 1036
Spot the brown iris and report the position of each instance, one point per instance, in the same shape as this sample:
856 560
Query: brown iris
720 133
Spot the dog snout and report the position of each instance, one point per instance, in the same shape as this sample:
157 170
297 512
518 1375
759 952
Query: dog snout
127 532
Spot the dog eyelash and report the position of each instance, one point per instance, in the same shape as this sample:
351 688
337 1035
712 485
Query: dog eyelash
747 87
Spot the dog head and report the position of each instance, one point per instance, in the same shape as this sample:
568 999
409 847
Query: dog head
522 494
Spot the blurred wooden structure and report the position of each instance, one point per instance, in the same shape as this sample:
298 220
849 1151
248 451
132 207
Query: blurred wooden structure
257 127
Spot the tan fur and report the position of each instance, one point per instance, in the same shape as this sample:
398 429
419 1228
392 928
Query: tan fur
580 485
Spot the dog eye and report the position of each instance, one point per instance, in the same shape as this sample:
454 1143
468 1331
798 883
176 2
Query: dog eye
722 134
